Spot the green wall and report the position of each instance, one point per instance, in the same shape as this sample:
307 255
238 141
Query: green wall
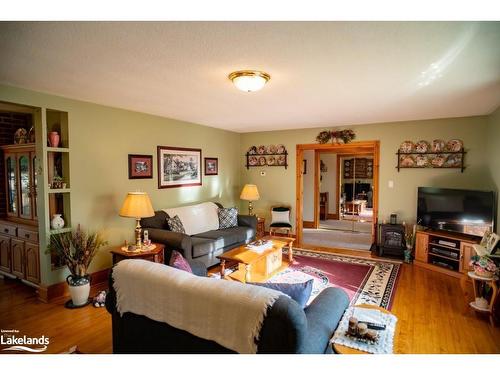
278 185
101 139
493 139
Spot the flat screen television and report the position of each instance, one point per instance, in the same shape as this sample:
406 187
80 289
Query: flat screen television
464 211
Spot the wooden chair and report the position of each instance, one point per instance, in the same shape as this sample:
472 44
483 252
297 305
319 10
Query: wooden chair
280 219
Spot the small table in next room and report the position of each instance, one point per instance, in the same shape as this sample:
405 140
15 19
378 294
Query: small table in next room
155 255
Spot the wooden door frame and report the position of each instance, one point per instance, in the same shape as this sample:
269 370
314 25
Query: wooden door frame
362 147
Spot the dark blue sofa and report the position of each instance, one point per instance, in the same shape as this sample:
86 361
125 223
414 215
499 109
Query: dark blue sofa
287 328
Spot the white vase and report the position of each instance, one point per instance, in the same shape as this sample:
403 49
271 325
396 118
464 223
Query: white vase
79 293
57 222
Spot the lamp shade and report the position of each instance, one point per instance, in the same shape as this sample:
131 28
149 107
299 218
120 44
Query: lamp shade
250 193
137 205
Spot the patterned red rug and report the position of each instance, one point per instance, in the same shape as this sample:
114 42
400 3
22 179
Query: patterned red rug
365 280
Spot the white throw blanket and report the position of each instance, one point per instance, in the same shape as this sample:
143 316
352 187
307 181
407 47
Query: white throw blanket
227 312
197 218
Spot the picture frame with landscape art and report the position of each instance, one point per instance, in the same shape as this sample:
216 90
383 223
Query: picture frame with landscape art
178 167
211 166
140 166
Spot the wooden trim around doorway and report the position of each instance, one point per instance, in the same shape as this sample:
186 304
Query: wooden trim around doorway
362 147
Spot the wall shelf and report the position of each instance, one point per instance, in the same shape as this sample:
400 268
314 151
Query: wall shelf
451 160
59 191
62 230
57 149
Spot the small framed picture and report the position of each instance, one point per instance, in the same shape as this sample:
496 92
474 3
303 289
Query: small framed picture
140 166
211 166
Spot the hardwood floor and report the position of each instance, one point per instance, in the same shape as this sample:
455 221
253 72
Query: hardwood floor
432 309
89 328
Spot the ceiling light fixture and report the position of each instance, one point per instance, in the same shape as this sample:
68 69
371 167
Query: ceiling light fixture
249 80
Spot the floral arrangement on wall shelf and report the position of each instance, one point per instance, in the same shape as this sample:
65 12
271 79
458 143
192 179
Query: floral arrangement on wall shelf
335 136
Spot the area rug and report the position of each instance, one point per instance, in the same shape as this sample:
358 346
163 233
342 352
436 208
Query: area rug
366 281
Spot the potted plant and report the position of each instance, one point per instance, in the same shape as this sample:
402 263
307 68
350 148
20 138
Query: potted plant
77 249
483 266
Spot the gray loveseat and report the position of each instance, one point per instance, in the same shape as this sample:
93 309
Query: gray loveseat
204 246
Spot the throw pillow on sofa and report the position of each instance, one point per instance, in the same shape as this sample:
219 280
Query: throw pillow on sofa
175 224
299 292
179 262
228 217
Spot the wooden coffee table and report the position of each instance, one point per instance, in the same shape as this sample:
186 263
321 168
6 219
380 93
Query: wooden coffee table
256 266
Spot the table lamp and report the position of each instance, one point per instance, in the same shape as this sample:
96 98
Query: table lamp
250 193
137 205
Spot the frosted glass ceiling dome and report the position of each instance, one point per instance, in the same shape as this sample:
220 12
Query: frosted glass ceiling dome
249 80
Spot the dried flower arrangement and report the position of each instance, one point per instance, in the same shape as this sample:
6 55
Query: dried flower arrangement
325 136
77 249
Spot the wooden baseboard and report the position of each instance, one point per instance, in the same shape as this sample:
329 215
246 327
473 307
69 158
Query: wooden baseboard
48 293
308 224
333 216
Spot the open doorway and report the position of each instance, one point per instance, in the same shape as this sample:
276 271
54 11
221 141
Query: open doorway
337 195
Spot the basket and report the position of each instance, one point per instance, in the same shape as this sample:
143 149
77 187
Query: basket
480 271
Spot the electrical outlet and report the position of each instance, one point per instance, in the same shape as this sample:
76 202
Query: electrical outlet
391 184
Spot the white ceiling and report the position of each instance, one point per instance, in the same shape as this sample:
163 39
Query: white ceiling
322 73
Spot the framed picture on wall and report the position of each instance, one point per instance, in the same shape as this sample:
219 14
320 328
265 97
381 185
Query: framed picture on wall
211 166
140 166
178 167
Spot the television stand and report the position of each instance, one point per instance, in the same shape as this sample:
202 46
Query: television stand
444 252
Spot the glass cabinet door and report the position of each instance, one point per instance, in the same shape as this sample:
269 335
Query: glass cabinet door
34 184
11 177
25 186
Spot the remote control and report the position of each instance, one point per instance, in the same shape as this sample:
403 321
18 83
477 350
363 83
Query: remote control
375 326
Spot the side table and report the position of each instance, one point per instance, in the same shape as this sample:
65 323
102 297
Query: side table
341 349
478 283
261 227
156 255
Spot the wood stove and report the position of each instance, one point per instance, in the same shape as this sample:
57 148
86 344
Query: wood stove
392 240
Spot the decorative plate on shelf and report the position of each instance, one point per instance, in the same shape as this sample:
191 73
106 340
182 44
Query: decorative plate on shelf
281 160
406 146
407 161
455 145
252 150
453 160
271 160
438 161
262 160
261 150
271 149
438 145
422 160
280 149
252 160
422 146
